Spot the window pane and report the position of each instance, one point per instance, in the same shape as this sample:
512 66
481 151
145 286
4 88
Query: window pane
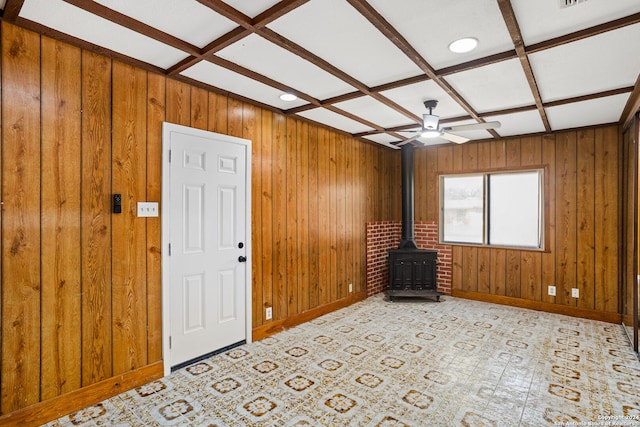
463 209
514 209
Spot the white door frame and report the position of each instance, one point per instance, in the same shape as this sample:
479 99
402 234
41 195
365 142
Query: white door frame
167 128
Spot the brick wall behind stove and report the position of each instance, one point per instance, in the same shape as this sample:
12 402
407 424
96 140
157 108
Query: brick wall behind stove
385 235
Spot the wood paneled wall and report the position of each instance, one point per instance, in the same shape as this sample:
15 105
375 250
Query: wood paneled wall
582 222
80 295
630 210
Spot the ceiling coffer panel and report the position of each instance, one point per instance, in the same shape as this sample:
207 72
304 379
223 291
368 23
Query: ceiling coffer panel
68 19
187 20
366 67
257 54
337 33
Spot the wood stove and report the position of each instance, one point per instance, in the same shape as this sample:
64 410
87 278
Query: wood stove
412 271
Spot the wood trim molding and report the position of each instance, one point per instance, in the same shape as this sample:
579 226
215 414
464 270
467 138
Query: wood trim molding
510 20
12 10
541 306
269 329
49 410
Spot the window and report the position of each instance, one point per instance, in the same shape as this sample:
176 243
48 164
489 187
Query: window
493 209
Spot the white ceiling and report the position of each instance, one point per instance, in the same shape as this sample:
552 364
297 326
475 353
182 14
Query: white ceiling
366 67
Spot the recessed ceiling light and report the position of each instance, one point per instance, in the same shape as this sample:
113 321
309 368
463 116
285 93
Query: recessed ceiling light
463 45
288 97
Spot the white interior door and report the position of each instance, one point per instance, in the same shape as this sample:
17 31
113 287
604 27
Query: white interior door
207 237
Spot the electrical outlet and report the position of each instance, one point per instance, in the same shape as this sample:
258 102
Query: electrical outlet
268 313
350 287
552 291
575 292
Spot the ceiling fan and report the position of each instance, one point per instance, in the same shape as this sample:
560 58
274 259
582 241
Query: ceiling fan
430 127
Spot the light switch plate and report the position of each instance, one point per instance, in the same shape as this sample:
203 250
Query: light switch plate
147 209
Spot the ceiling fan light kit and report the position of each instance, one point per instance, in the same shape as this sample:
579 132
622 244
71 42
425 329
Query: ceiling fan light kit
431 129
430 133
430 122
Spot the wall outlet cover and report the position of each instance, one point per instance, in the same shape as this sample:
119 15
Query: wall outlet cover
552 291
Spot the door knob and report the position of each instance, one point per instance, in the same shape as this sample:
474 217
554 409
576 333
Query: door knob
242 258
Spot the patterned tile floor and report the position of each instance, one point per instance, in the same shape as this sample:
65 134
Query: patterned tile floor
407 363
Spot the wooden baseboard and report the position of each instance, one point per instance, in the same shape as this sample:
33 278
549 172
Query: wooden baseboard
280 325
602 316
51 409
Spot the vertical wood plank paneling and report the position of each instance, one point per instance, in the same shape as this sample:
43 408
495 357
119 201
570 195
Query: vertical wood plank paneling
420 184
251 126
61 154
512 273
234 117
199 108
314 216
359 200
21 291
549 256
155 116
351 226
512 257
377 182
129 291
433 185
291 217
565 216
218 107
467 154
585 204
324 195
393 181
266 202
342 256
178 105
484 254
607 216
302 207
333 218
531 261
96 219
371 184
580 185
498 257
279 153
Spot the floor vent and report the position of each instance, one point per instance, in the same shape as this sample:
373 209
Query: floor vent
567 3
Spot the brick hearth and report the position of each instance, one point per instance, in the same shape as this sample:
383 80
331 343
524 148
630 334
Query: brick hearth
385 235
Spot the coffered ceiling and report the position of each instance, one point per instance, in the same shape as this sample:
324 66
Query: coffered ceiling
366 67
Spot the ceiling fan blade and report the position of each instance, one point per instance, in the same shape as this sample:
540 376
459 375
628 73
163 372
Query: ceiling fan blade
454 138
473 126
408 140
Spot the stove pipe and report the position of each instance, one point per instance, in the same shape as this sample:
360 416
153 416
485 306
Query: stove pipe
408 239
